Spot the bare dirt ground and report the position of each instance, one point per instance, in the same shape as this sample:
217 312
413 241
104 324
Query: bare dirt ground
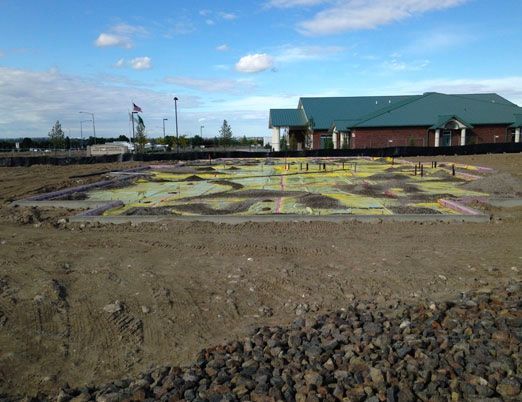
182 287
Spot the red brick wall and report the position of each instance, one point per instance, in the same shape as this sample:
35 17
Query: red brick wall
417 136
486 134
380 137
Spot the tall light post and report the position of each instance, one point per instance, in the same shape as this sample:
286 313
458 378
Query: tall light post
176 111
201 131
93 124
164 120
81 130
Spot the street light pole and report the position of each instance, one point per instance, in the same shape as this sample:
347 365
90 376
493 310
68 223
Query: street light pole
164 127
176 112
93 124
201 131
81 130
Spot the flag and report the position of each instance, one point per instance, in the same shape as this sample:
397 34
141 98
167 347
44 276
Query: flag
136 108
140 121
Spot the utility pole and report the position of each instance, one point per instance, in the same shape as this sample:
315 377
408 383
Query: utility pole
176 112
201 131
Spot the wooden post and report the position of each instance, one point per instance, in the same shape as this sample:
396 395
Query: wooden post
307 166
422 170
453 170
415 174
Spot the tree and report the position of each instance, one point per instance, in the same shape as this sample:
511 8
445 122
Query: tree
197 141
141 137
123 138
57 136
26 143
225 134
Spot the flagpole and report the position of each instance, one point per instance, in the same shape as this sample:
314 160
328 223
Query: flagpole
133 135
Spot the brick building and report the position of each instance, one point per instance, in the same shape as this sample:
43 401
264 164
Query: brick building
432 119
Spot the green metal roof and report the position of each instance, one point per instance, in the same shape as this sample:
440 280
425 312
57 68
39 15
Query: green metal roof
343 125
426 109
518 121
287 118
324 111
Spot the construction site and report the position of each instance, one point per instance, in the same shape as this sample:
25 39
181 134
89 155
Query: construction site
114 272
276 188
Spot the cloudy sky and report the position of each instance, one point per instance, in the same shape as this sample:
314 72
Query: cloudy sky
236 59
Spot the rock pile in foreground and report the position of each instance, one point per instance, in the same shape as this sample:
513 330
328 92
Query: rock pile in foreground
468 349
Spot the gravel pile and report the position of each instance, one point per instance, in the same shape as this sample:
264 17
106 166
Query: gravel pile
467 349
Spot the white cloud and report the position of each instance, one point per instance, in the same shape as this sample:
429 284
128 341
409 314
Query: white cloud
254 63
348 15
223 48
212 85
209 22
107 40
32 100
120 35
288 54
141 63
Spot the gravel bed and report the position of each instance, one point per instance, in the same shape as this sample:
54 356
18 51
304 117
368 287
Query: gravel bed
460 350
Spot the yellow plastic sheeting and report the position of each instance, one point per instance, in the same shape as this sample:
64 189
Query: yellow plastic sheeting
362 187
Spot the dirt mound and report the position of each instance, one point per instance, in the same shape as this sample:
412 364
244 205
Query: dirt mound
193 178
205 169
235 186
366 189
405 209
443 175
319 201
503 184
388 176
233 168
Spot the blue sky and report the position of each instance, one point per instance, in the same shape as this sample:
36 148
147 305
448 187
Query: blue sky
235 60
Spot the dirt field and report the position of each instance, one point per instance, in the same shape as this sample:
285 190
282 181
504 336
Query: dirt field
83 305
